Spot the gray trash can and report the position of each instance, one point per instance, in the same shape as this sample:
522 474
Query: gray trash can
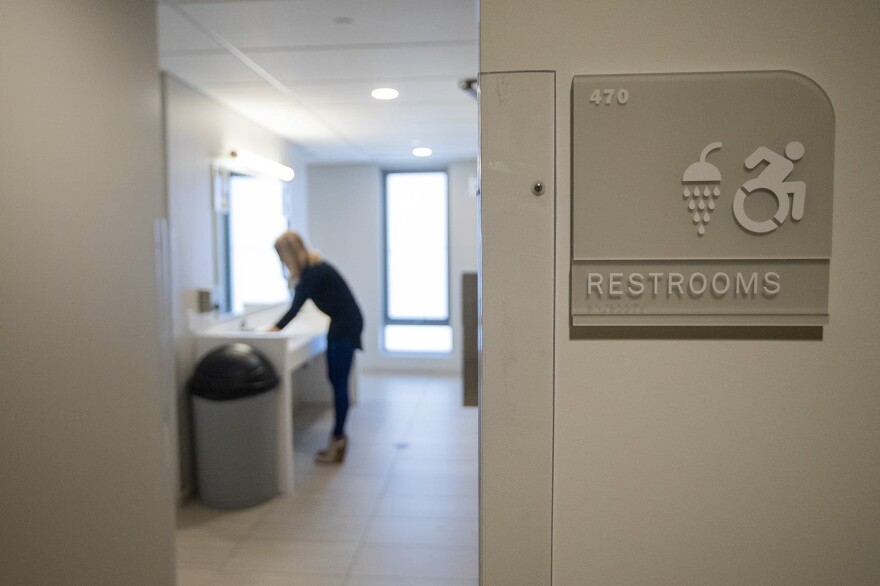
234 393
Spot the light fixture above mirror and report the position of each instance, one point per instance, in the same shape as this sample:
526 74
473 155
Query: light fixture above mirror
260 165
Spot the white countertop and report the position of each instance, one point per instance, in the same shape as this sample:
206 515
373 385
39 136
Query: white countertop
304 338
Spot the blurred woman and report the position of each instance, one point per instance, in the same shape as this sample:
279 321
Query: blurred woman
315 279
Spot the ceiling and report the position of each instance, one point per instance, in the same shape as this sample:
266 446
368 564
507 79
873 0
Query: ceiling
305 69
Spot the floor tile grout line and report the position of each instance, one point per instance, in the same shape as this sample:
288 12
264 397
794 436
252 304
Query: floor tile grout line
242 540
245 539
414 409
362 542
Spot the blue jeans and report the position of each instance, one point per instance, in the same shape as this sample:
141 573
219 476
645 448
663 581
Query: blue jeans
340 354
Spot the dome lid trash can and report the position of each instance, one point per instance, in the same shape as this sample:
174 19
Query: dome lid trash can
234 398
232 371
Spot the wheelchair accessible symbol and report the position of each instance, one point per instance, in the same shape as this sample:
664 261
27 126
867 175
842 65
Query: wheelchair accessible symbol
772 179
701 183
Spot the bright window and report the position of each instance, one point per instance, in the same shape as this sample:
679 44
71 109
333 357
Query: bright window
427 339
417 263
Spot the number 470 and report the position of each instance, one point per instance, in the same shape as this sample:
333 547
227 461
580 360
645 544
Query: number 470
600 97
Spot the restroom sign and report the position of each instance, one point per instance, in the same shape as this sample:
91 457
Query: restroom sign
701 199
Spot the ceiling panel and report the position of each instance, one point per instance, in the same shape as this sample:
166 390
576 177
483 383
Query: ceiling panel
282 116
292 66
412 90
378 65
396 123
245 91
199 69
455 145
255 24
393 115
351 93
176 33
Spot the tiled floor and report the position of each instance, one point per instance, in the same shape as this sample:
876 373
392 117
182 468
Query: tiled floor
401 510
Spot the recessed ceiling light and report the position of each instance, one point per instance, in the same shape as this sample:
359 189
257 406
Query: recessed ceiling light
385 93
422 152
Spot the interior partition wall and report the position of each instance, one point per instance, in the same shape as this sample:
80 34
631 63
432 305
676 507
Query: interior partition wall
675 459
86 413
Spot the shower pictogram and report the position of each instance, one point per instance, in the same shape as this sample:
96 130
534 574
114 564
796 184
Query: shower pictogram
701 188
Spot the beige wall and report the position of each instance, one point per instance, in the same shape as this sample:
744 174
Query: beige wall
345 223
716 461
85 495
199 130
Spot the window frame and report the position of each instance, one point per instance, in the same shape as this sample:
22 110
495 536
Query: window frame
387 320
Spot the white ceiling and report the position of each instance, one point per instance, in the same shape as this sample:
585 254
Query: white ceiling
305 69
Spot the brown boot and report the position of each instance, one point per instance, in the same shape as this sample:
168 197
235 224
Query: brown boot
334 453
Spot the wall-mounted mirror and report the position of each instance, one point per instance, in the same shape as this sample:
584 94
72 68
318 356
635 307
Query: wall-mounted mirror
250 212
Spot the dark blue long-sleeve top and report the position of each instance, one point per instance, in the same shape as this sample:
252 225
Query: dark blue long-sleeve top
324 285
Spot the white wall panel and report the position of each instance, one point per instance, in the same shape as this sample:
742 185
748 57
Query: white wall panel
517 134
717 461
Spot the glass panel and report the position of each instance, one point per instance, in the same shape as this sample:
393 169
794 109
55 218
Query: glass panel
427 339
256 218
417 247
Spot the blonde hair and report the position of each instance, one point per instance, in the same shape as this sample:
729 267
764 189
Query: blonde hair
294 254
